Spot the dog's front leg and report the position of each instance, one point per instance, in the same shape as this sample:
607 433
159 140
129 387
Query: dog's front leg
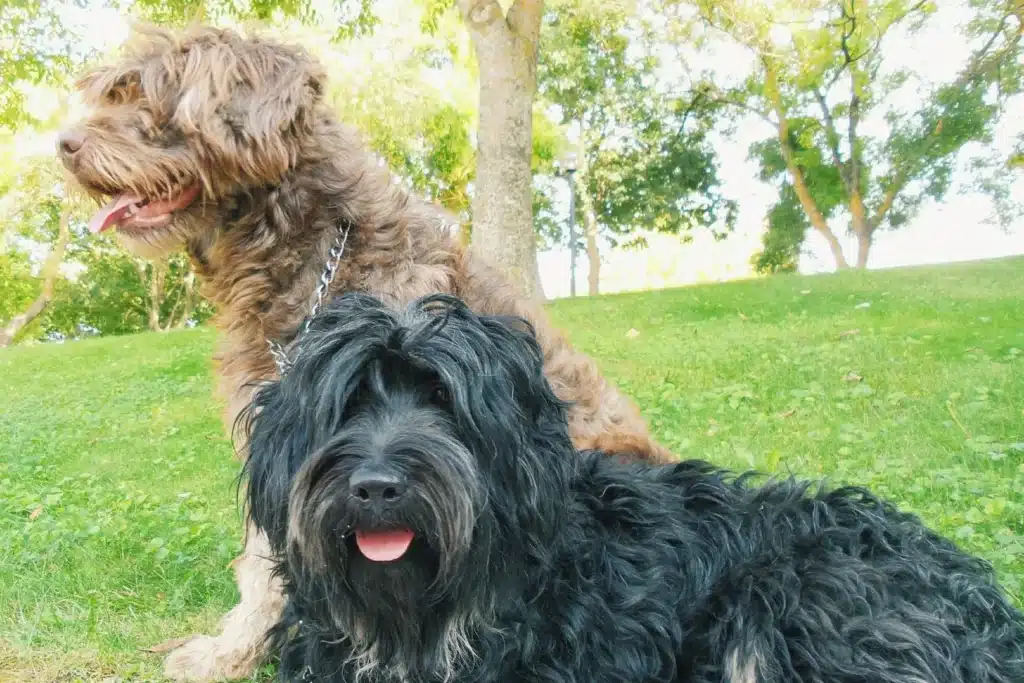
239 648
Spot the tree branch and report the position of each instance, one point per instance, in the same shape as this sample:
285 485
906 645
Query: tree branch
480 15
763 115
524 19
887 201
833 139
974 68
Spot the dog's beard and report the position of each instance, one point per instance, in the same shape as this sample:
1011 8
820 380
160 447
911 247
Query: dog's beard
396 608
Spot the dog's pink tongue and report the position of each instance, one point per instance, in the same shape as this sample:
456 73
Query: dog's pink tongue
112 213
383 546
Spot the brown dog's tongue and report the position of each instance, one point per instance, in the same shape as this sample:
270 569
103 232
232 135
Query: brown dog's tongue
112 213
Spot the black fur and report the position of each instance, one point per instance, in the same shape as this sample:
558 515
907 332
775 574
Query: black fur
535 563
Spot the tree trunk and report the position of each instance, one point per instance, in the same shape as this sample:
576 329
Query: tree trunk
190 300
861 227
803 193
590 226
593 253
506 52
50 271
156 294
863 248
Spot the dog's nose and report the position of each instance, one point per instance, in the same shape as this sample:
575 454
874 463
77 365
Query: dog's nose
69 142
371 484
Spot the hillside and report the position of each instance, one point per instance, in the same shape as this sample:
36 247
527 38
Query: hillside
118 514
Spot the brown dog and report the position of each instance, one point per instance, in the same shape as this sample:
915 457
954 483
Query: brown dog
223 145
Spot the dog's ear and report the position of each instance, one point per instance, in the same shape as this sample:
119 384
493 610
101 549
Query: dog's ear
276 445
251 103
517 324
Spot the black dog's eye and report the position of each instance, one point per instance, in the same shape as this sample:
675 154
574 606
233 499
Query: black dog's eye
441 395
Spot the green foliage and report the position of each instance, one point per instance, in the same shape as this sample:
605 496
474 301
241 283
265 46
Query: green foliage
118 515
17 284
35 48
648 163
113 294
824 68
781 243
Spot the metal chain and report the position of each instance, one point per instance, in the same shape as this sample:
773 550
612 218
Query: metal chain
330 269
278 352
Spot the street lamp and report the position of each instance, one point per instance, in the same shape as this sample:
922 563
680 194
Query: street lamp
567 167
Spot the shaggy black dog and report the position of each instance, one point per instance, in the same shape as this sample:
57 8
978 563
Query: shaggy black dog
415 473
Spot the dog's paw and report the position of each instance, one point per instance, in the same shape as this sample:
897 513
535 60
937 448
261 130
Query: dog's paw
205 659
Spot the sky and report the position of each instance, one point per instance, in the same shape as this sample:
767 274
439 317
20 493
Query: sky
952 230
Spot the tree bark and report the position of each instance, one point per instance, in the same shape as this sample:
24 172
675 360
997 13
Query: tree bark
590 226
863 248
50 272
803 193
156 294
506 51
190 300
593 252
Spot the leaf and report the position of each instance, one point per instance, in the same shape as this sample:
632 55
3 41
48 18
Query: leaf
966 531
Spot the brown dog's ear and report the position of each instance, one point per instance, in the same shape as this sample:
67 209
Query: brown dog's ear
283 98
250 105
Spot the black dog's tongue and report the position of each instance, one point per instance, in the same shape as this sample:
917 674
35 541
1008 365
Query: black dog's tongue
384 546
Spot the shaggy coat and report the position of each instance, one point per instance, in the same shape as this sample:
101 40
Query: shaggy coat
225 146
519 558
233 133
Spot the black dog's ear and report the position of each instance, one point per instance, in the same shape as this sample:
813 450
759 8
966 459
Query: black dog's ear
277 445
517 324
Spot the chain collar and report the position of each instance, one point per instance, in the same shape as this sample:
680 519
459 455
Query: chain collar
278 352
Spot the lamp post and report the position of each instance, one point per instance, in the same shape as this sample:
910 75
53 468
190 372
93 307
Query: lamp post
568 168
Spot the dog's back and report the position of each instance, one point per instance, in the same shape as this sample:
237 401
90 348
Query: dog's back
785 581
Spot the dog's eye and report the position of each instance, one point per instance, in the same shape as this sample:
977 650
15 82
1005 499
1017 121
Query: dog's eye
441 396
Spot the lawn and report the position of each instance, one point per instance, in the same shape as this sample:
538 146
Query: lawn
118 508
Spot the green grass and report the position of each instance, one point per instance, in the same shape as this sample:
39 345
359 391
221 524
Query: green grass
118 514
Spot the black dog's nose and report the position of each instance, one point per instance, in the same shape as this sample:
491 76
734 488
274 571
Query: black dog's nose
375 484
69 142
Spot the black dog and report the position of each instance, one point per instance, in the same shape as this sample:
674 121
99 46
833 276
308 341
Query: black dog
414 471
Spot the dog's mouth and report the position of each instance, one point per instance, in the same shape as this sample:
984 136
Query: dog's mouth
131 210
384 546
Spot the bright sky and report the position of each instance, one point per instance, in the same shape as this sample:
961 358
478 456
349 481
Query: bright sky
950 231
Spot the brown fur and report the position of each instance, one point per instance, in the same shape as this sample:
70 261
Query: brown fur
245 120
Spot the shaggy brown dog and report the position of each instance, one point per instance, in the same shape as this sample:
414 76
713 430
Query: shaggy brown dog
223 145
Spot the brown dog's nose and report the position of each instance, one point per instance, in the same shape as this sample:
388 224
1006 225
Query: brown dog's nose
69 142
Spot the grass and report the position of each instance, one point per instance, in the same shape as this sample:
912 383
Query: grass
118 514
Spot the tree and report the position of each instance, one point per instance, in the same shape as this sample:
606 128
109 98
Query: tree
117 293
50 272
38 49
642 151
505 43
820 74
